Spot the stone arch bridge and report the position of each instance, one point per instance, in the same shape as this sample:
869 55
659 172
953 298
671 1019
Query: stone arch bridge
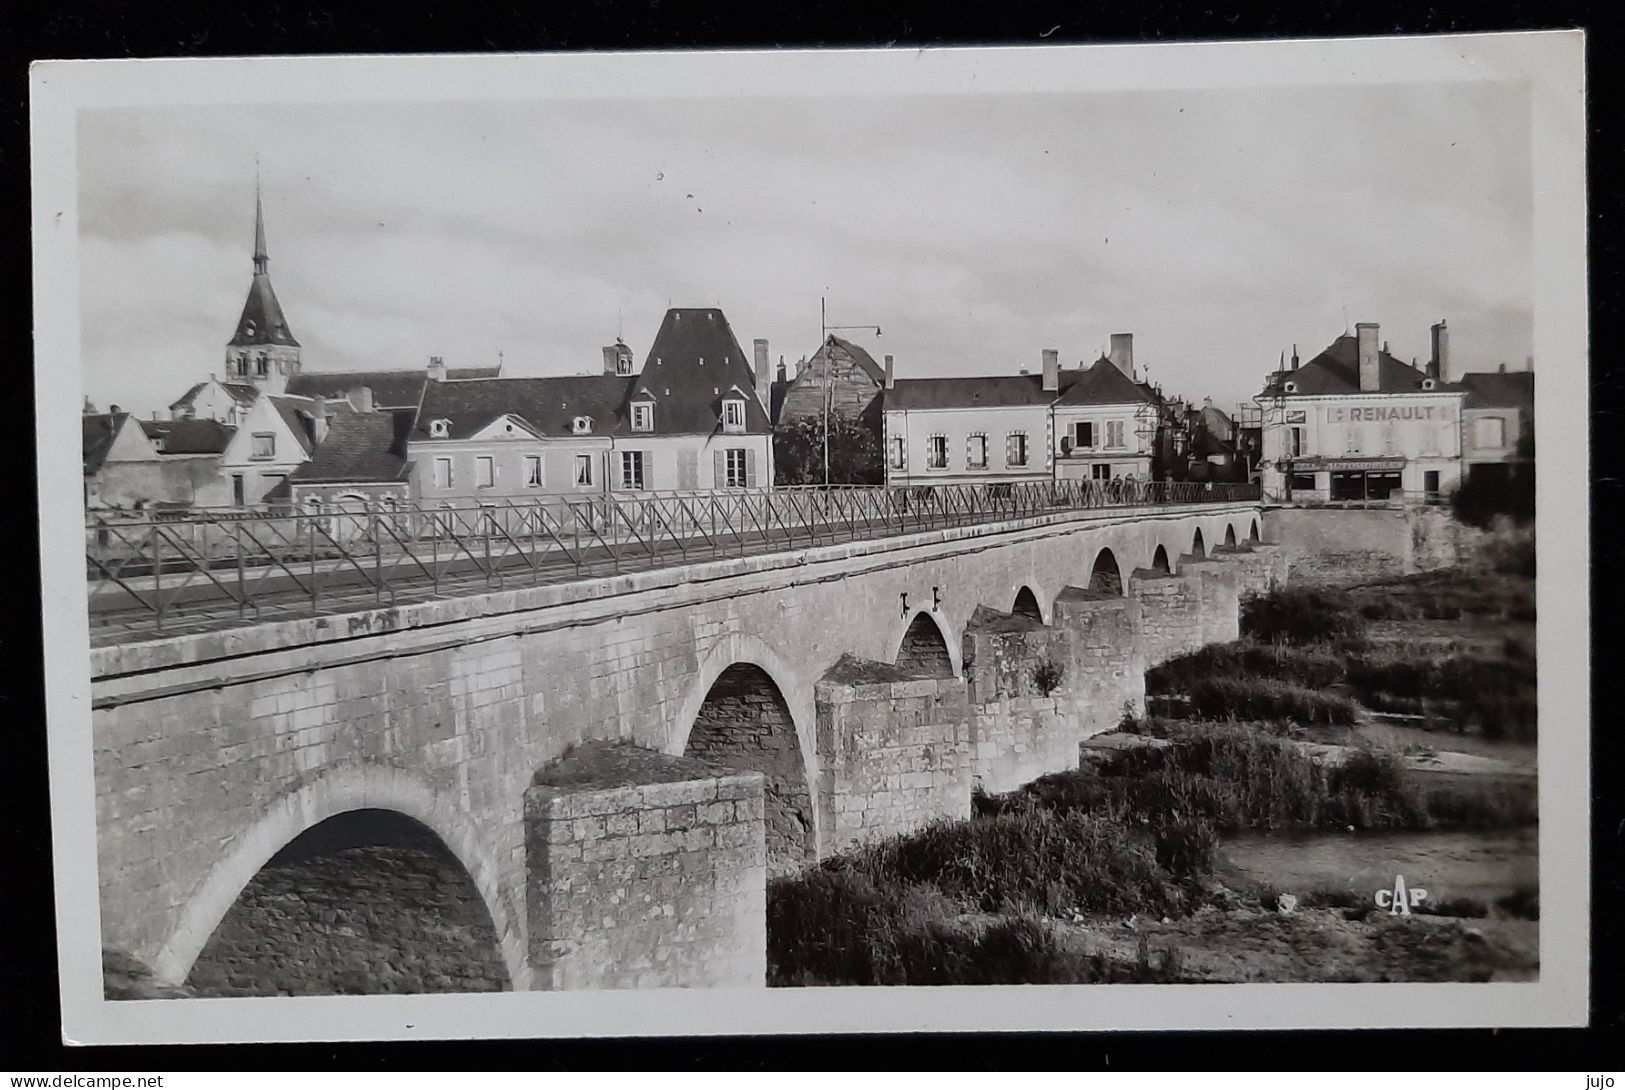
615 767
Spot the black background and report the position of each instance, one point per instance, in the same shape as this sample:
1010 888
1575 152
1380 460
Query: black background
29 1013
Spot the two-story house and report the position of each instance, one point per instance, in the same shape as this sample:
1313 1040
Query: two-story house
694 417
1498 425
1357 424
275 439
1107 422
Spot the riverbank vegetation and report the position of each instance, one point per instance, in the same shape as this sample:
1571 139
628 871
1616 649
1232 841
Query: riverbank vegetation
1110 872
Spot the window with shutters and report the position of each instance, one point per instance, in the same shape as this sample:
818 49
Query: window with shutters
1100 471
735 475
533 471
583 470
442 472
733 415
1114 434
1294 442
976 452
936 452
1351 439
485 471
1015 449
1083 433
643 416
632 469
897 457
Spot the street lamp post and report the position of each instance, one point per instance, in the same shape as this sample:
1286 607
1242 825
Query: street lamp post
829 391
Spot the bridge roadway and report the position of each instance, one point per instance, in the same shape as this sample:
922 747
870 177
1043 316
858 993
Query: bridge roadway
193 601
854 690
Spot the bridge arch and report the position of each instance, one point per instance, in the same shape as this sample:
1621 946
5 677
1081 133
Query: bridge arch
1027 604
1229 534
928 646
1252 534
743 683
1106 575
1198 545
1159 561
359 787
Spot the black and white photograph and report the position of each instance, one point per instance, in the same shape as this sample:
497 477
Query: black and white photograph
770 541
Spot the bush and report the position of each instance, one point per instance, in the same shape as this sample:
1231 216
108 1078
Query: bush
1299 615
1315 669
1048 675
1259 698
1460 907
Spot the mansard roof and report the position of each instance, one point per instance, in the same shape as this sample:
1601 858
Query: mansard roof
547 404
1104 384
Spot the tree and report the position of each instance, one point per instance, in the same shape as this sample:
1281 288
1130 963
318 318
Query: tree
854 452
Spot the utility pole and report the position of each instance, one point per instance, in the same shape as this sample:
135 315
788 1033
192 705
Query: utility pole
825 329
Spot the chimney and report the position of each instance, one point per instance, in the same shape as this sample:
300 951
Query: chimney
318 419
90 407
782 376
611 356
361 399
1366 335
1439 365
764 375
437 369
1122 353
1294 357
114 409
1503 369
891 375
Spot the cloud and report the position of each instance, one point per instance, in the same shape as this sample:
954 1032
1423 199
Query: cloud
1218 227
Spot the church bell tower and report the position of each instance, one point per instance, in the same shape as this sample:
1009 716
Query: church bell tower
262 352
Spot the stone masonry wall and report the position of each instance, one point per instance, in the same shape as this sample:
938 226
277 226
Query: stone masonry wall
1106 668
1018 730
646 871
745 725
1331 546
894 751
1220 590
1171 621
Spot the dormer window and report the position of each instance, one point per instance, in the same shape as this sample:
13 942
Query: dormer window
439 429
1427 384
581 425
733 415
1292 387
643 416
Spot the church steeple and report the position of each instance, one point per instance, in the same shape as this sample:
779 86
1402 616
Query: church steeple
263 350
261 258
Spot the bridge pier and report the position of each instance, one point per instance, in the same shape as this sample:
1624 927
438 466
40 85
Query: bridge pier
1171 621
894 751
645 870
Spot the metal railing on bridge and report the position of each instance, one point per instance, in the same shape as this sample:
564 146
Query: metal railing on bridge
172 570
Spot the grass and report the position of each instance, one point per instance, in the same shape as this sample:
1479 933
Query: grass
900 912
1245 697
1300 615
1313 668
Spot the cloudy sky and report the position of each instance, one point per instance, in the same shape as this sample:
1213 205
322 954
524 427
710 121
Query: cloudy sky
1219 227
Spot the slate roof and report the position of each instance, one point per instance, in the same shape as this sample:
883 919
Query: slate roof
391 389
1337 371
189 436
360 447
243 393
296 414
548 404
1104 384
694 362
100 429
1499 389
262 321
980 391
